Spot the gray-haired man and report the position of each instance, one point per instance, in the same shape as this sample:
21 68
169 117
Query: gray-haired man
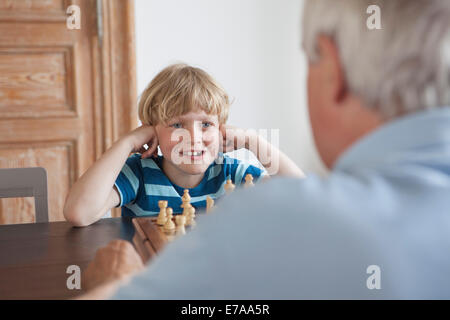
378 225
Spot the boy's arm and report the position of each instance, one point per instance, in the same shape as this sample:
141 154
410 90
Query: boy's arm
94 193
273 159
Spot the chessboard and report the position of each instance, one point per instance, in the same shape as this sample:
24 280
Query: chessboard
153 233
150 238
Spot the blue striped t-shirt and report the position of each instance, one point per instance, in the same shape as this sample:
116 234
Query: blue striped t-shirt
142 183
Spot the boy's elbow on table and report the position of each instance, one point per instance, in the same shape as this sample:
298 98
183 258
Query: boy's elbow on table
76 217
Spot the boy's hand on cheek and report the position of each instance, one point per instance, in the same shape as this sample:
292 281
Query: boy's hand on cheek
142 135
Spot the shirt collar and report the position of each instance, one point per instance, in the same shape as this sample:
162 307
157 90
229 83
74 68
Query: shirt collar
401 140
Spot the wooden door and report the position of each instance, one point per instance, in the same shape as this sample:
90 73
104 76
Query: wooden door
65 94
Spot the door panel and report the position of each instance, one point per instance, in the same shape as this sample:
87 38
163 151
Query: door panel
52 95
36 83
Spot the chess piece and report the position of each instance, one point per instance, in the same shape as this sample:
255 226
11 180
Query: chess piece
162 217
186 198
248 180
186 203
169 225
181 221
190 221
186 208
209 204
229 186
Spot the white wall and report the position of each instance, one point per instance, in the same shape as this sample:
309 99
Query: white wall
251 47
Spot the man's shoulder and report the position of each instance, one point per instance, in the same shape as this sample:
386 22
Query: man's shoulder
335 193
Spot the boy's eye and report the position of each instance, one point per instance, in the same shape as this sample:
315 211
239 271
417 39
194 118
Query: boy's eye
176 125
206 124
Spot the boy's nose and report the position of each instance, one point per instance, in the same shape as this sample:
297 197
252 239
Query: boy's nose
196 135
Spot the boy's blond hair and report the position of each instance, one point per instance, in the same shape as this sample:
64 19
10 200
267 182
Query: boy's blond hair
179 89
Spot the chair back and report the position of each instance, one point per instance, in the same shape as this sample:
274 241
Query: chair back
26 182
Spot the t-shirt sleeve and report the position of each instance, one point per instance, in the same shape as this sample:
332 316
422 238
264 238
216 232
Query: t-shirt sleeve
129 180
240 169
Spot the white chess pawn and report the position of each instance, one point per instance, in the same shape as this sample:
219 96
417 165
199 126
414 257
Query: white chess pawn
209 204
229 186
169 225
162 217
249 180
190 221
181 221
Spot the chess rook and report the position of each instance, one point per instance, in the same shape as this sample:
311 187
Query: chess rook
180 221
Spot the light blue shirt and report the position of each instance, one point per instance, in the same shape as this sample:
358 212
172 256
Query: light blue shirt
386 203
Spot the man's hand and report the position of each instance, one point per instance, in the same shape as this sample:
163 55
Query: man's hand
117 261
144 135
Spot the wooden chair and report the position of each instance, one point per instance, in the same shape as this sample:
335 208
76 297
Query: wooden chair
26 182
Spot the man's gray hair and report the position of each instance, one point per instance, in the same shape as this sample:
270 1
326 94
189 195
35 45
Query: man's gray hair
401 68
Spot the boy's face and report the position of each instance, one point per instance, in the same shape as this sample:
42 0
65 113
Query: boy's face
190 142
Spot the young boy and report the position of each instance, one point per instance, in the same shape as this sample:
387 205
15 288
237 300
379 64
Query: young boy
183 111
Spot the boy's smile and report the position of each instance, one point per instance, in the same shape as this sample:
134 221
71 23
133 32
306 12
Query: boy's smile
189 144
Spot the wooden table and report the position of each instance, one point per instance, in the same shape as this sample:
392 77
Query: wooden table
34 257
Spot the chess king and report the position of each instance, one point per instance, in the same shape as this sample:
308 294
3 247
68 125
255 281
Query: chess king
183 112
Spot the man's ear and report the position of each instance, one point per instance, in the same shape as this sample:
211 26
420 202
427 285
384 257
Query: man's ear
333 76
